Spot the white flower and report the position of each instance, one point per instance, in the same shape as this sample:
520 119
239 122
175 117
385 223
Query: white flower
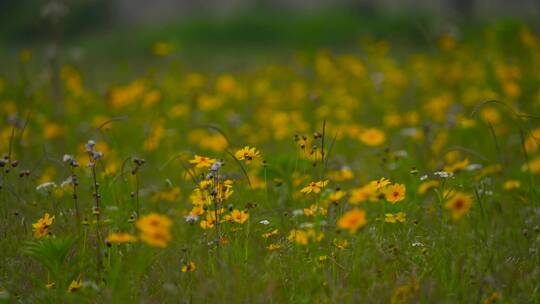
191 218
46 186
112 208
68 181
298 212
423 177
90 145
411 132
264 222
216 165
443 174
67 158
485 192
401 153
417 244
306 225
473 167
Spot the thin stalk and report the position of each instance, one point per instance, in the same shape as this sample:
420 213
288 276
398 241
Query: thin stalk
97 213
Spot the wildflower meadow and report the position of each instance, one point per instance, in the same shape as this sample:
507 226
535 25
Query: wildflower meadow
372 173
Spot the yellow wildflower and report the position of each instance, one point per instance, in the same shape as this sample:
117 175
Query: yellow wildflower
121 238
314 187
395 193
202 161
154 229
353 220
399 217
247 153
239 216
425 186
74 285
270 234
41 227
459 204
511 184
372 137
189 267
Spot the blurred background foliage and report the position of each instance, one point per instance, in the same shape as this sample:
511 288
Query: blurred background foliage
217 22
204 32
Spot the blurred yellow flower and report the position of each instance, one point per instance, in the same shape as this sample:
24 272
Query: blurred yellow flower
162 49
353 220
303 237
273 247
270 234
25 55
490 115
364 193
372 137
121 238
154 229
459 204
399 217
425 186
189 267
74 285
52 130
511 184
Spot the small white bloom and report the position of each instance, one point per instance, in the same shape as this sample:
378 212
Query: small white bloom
306 225
216 165
401 153
264 222
191 218
473 167
46 186
112 208
90 145
67 158
443 174
485 192
298 212
67 182
417 244
423 177
410 132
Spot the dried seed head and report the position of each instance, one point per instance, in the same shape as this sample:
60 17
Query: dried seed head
139 161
